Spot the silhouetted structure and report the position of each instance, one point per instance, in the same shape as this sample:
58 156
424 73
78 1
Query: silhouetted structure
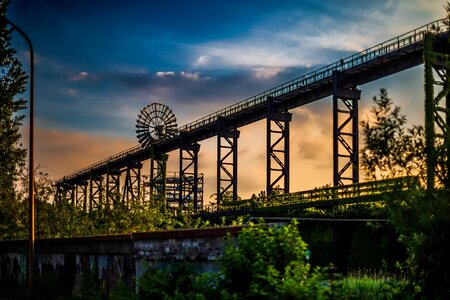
428 44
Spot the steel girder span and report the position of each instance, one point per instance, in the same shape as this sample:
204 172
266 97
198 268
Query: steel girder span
338 79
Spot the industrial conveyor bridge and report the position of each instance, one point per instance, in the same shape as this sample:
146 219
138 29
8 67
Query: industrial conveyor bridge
338 79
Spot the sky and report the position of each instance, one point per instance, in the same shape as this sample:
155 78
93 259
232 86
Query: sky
99 62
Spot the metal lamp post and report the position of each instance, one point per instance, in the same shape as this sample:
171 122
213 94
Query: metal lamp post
30 260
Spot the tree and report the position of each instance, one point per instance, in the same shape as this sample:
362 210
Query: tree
389 149
12 155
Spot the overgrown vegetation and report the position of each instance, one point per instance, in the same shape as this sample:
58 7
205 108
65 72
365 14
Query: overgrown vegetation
422 222
262 263
12 155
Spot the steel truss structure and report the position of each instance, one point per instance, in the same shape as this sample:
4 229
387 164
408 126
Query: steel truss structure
227 162
96 191
112 188
132 186
81 195
65 192
437 110
345 133
277 150
427 44
158 179
188 184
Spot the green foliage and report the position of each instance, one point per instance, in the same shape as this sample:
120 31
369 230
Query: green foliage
370 288
261 263
89 287
269 263
389 149
177 281
422 221
121 291
63 219
12 156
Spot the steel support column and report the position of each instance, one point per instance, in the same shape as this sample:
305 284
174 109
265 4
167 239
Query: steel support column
70 191
277 177
66 192
227 162
59 193
158 179
437 111
81 195
96 192
132 185
112 188
189 191
345 133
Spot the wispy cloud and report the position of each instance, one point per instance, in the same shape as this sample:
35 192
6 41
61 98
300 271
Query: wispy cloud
78 76
190 75
164 74
299 39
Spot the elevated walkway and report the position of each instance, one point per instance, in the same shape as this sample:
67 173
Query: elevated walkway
387 58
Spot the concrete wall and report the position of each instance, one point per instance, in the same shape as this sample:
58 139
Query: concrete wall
59 263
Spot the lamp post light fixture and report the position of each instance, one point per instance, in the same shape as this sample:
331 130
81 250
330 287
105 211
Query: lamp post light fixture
31 236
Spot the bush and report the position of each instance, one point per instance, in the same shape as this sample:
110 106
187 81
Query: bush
262 263
422 221
269 263
178 281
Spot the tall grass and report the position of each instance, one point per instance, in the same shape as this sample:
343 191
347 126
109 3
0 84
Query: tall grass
368 287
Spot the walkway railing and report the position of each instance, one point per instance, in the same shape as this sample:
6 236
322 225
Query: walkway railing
352 193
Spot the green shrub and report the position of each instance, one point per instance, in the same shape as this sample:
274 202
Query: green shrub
121 291
269 263
177 281
261 263
422 221
89 286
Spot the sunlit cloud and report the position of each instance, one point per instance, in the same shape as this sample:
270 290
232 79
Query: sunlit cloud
72 92
266 72
164 74
78 76
189 75
305 40
202 61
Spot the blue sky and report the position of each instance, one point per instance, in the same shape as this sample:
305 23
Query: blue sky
99 62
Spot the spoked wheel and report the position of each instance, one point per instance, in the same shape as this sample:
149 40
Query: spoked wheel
155 122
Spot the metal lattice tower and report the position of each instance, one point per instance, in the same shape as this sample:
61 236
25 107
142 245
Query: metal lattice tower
189 175
132 187
66 192
227 161
112 188
96 192
345 133
277 149
81 195
158 177
437 111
